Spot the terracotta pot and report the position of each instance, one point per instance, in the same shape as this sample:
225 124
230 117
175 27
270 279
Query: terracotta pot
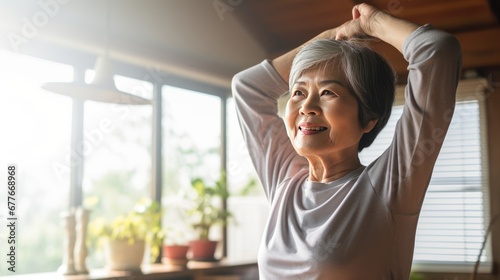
121 255
175 254
203 250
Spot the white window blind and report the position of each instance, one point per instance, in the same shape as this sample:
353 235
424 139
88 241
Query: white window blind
455 214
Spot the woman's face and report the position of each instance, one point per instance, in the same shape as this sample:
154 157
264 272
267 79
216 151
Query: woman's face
322 115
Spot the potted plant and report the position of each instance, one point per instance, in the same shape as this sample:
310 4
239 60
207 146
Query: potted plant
176 254
126 237
175 246
207 211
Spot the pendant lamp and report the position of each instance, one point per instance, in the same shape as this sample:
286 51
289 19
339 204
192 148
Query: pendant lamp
102 88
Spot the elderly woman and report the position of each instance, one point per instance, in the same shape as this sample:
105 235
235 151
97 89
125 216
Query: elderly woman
330 216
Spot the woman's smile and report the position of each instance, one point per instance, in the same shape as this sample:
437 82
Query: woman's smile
311 129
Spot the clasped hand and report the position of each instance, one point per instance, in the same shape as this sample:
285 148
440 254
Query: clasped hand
363 25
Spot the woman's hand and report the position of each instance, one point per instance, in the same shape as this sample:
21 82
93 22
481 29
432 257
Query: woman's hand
364 23
370 22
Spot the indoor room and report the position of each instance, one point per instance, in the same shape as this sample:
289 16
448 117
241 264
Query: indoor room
126 141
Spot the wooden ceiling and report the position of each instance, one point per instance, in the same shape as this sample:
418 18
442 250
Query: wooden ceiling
280 25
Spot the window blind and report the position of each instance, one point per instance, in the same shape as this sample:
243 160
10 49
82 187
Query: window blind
455 213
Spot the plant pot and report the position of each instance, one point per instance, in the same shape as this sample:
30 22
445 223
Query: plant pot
203 250
175 254
121 255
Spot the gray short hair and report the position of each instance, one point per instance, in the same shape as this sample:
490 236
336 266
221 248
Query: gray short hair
369 76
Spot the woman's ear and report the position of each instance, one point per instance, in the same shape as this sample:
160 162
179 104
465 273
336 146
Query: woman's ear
370 125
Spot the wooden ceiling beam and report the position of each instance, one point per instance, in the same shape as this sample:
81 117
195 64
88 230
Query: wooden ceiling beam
480 48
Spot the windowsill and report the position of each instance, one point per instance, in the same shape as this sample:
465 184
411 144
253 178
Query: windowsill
155 271
455 276
451 267
451 270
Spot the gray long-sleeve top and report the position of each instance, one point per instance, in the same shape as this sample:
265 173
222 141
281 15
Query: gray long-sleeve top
361 226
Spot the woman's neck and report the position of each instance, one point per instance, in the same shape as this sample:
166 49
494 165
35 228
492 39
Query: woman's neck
326 169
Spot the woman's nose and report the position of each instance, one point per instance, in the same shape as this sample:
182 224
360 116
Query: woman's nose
310 106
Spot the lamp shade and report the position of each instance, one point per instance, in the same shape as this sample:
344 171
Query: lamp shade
101 89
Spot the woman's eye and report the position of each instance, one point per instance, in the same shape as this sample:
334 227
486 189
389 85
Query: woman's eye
328 92
297 93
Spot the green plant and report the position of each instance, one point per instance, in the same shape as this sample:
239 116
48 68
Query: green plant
416 276
140 224
207 209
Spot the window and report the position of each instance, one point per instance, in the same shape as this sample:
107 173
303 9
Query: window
38 124
117 160
117 147
117 156
36 127
455 212
191 149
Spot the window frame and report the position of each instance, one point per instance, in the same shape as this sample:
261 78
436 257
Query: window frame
158 79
